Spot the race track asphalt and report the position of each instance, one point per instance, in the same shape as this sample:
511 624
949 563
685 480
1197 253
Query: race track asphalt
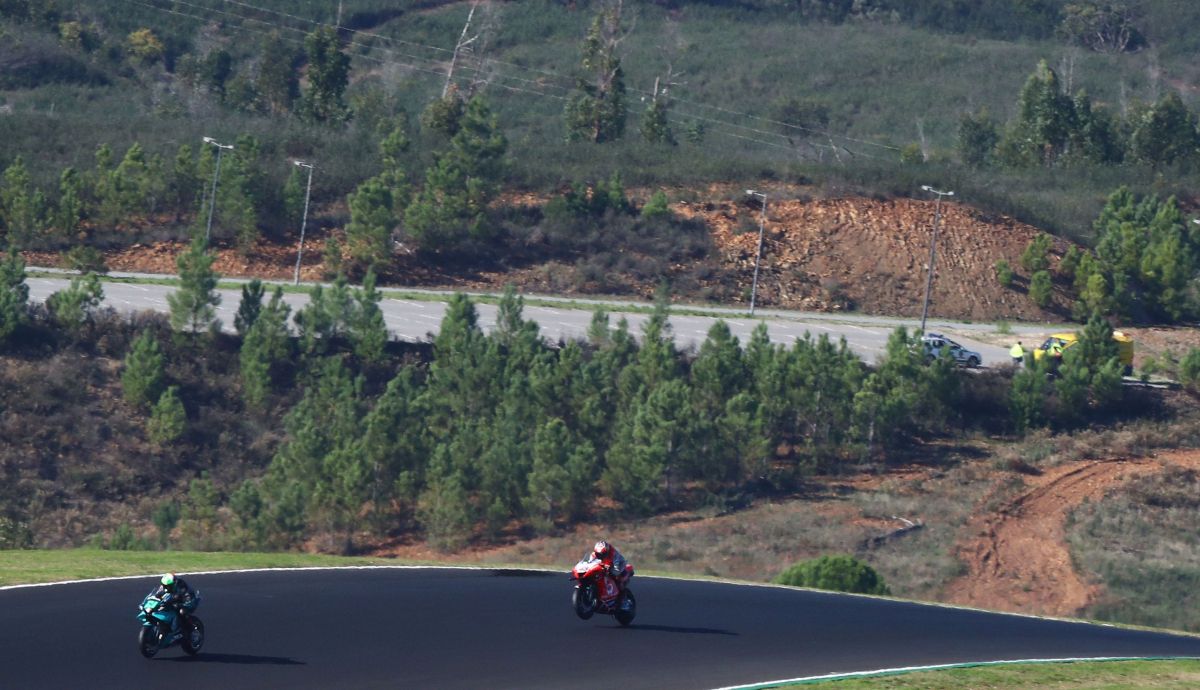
448 628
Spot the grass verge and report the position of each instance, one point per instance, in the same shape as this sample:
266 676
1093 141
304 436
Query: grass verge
1093 675
26 567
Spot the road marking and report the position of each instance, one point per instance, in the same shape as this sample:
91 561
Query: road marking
810 680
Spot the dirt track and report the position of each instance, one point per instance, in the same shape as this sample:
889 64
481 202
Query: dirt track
1018 559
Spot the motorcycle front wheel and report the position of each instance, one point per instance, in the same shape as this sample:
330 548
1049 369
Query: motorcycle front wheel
193 640
583 600
148 642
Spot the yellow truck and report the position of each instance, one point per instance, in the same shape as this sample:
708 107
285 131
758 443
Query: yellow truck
1066 340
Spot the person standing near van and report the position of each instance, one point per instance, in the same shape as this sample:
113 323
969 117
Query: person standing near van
1018 354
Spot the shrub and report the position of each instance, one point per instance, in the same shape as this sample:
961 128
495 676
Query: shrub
1004 273
1189 369
835 573
168 419
1041 288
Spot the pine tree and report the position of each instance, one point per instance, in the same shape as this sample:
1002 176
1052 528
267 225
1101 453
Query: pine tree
328 76
977 138
372 219
168 419
1044 123
1166 133
1027 398
368 331
250 306
143 379
193 305
70 203
14 295
596 111
1041 288
278 81
20 210
72 308
460 184
266 345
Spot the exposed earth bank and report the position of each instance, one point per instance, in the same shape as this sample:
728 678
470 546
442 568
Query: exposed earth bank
840 254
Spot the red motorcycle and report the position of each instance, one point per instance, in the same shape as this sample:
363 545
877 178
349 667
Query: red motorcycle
597 591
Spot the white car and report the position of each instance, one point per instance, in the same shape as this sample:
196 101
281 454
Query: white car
938 345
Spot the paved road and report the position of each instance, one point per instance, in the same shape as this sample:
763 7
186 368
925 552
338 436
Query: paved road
443 628
416 319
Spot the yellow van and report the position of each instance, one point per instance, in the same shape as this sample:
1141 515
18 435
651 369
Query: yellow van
1066 340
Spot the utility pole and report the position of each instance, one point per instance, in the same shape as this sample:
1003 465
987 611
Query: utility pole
304 218
212 199
762 219
937 217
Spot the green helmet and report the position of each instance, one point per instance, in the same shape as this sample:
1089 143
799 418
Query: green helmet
168 581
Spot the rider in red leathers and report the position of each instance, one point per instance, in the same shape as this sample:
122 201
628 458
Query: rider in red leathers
618 569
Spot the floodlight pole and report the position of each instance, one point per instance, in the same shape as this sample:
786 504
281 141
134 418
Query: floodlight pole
937 217
212 197
304 218
762 219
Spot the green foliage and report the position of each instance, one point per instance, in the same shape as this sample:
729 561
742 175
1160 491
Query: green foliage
265 347
278 82
835 573
1036 255
978 135
143 378
249 307
1147 255
656 206
1041 288
21 206
372 219
1189 369
199 519
165 517
1004 274
328 75
1166 132
656 126
451 208
14 295
597 109
72 308
193 305
1106 27
368 331
168 419
1027 397
144 46
1040 133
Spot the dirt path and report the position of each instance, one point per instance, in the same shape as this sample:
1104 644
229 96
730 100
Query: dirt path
1018 560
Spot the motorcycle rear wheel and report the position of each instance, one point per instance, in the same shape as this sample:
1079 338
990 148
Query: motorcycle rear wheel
626 608
583 600
148 642
193 639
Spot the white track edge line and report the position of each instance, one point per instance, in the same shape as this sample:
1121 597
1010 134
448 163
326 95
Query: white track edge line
938 667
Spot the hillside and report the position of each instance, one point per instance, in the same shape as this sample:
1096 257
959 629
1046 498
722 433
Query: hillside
849 254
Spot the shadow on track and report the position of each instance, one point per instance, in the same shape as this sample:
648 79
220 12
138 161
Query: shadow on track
249 659
676 629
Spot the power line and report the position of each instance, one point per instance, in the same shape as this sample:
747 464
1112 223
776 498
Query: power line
789 125
494 76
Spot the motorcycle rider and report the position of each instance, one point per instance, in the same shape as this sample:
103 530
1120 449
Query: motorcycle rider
177 594
618 569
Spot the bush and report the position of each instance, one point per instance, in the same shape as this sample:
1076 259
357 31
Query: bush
1004 273
1189 369
836 574
1041 288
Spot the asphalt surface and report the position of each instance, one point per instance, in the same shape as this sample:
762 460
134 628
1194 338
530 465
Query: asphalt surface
417 320
443 628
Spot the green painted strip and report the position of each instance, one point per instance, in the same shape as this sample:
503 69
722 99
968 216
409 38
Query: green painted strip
813 680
